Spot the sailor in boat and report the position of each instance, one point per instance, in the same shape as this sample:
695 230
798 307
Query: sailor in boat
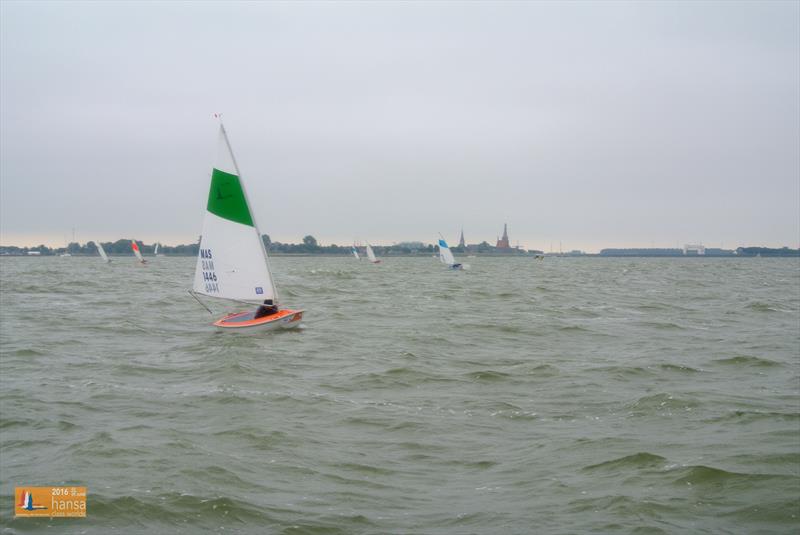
267 309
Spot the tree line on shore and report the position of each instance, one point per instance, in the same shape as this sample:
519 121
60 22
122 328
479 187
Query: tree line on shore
309 245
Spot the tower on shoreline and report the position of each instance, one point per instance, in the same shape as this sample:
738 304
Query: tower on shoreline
502 243
461 240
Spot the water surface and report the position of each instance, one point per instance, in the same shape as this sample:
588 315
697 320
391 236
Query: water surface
563 396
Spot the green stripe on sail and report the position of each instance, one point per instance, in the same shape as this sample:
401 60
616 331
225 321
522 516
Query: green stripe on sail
226 198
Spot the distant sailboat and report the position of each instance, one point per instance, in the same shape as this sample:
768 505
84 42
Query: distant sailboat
155 250
232 263
371 255
102 252
137 252
66 253
446 256
355 252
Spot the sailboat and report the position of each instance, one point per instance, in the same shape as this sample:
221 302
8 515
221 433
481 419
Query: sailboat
102 252
232 263
155 251
371 255
66 253
355 252
446 256
137 252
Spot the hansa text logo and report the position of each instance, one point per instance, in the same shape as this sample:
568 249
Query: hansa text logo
50 501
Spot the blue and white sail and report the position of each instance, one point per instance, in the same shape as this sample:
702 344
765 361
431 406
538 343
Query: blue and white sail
355 253
446 256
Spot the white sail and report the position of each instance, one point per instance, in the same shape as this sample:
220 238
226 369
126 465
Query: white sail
102 252
155 251
136 251
355 253
371 254
232 262
445 255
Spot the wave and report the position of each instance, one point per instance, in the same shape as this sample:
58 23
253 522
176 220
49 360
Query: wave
366 469
488 376
544 370
575 329
337 274
472 465
778 513
510 412
653 306
622 507
635 461
660 402
176 509
700 475
641 371
27 352
678 368
133 369
7 423
747 360
662 325
217 476
402 376
624 371
583 312
756 416
780 460
759 306
102 445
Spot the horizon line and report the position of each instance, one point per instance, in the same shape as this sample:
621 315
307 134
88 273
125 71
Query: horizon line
433 243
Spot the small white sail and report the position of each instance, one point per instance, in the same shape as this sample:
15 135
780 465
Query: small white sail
102 252
355 253
232 262
371 255
66 253
445 255
155 251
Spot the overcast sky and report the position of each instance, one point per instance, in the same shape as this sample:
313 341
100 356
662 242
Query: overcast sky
615 124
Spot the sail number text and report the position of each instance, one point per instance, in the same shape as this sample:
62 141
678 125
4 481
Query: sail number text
209 277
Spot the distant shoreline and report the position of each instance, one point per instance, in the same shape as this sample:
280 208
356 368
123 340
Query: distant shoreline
310 247
790 254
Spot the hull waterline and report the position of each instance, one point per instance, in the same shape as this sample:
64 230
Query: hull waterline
283 319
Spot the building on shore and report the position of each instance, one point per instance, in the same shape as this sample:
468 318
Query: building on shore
461 240
694 248
503 243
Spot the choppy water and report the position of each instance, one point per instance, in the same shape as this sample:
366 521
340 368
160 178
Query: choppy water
564 396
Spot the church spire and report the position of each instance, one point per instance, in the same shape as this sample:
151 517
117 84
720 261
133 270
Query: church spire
461 241
503 242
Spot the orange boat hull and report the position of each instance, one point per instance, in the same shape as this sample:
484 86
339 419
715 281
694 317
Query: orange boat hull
283 319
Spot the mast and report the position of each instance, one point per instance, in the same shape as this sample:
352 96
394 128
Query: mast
252 213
